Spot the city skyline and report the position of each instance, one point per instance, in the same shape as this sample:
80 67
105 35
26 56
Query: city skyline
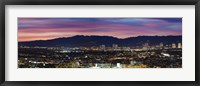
30 29
145 56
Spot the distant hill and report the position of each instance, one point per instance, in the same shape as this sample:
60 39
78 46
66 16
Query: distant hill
81 40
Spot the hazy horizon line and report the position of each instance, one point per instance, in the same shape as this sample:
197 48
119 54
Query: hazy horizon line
96 35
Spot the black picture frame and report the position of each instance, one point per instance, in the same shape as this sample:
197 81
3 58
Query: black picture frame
98 2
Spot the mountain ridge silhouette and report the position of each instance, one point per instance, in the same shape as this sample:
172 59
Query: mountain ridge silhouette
94 40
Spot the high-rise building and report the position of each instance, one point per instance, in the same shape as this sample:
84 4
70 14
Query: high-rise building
146 46
118 65
179 45
161 45
115 46
173 45
102 47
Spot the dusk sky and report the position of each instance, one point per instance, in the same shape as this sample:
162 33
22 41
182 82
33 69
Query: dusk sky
30 29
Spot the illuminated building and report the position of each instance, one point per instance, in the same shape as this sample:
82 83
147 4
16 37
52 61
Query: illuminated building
179 45
115 46
126 48
146 46
173 45
102 47
161 45
118 65
133 62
